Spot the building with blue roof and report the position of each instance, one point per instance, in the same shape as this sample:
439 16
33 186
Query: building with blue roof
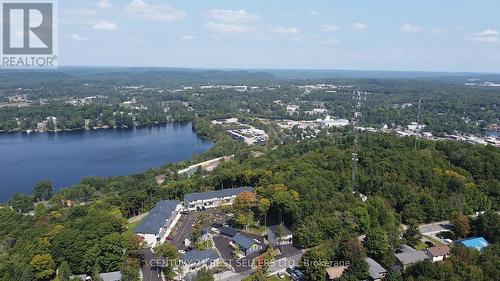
246 244
158 224
213 199
478 243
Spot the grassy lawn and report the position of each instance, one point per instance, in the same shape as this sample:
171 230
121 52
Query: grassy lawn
421 246
436 242
276 278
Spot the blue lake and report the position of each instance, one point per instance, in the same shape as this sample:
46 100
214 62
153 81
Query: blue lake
65 157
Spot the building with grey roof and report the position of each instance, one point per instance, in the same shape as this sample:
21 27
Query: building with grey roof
377 272
409 256
213 199
246 244
158 224
195 260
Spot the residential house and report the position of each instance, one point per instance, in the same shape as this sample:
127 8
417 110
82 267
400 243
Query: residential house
272 232
409 256
195 260
228 232
213 199
160 221
438 253
335 272
246 244
376 271
478 243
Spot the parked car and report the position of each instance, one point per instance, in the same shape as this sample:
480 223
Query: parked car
169 238
280 275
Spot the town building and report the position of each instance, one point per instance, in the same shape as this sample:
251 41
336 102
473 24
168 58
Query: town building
246 244
272 237
478 243
376 271
409 256
160 221
193 261
438 253
213 199
228 232
328 122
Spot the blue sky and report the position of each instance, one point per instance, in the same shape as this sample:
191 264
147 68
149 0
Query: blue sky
423 35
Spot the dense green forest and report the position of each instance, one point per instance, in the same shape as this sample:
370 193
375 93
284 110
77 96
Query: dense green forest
160 95
308 185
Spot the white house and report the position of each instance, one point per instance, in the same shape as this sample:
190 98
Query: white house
213 199
160 221
438 253
194 260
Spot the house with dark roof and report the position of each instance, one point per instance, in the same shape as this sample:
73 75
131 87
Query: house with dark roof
192 261
438 253
228 232
278 235
213 199
158 224
246 244
477 243
376 271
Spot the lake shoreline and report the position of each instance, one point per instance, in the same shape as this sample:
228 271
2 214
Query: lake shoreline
65 157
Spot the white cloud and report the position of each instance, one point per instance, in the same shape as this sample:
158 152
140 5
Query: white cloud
313 13
488 32
104 25
77 38
232 16
410 28
230 28
438 31
359 26
285 30
487 36
328 41
104 4
187 37
329 28
155 12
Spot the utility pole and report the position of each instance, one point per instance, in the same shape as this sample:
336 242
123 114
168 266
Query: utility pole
418 122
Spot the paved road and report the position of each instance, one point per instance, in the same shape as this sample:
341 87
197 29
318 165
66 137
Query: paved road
149 271
184 229
435 227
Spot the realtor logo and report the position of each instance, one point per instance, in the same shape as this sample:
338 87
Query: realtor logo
28 36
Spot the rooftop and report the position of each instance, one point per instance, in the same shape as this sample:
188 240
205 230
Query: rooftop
438 251
244 242
335 272
474 242
375 269
157 217
215 194
411 257
196 256
228 231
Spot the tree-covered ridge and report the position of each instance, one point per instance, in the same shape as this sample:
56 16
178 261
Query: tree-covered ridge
306 185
